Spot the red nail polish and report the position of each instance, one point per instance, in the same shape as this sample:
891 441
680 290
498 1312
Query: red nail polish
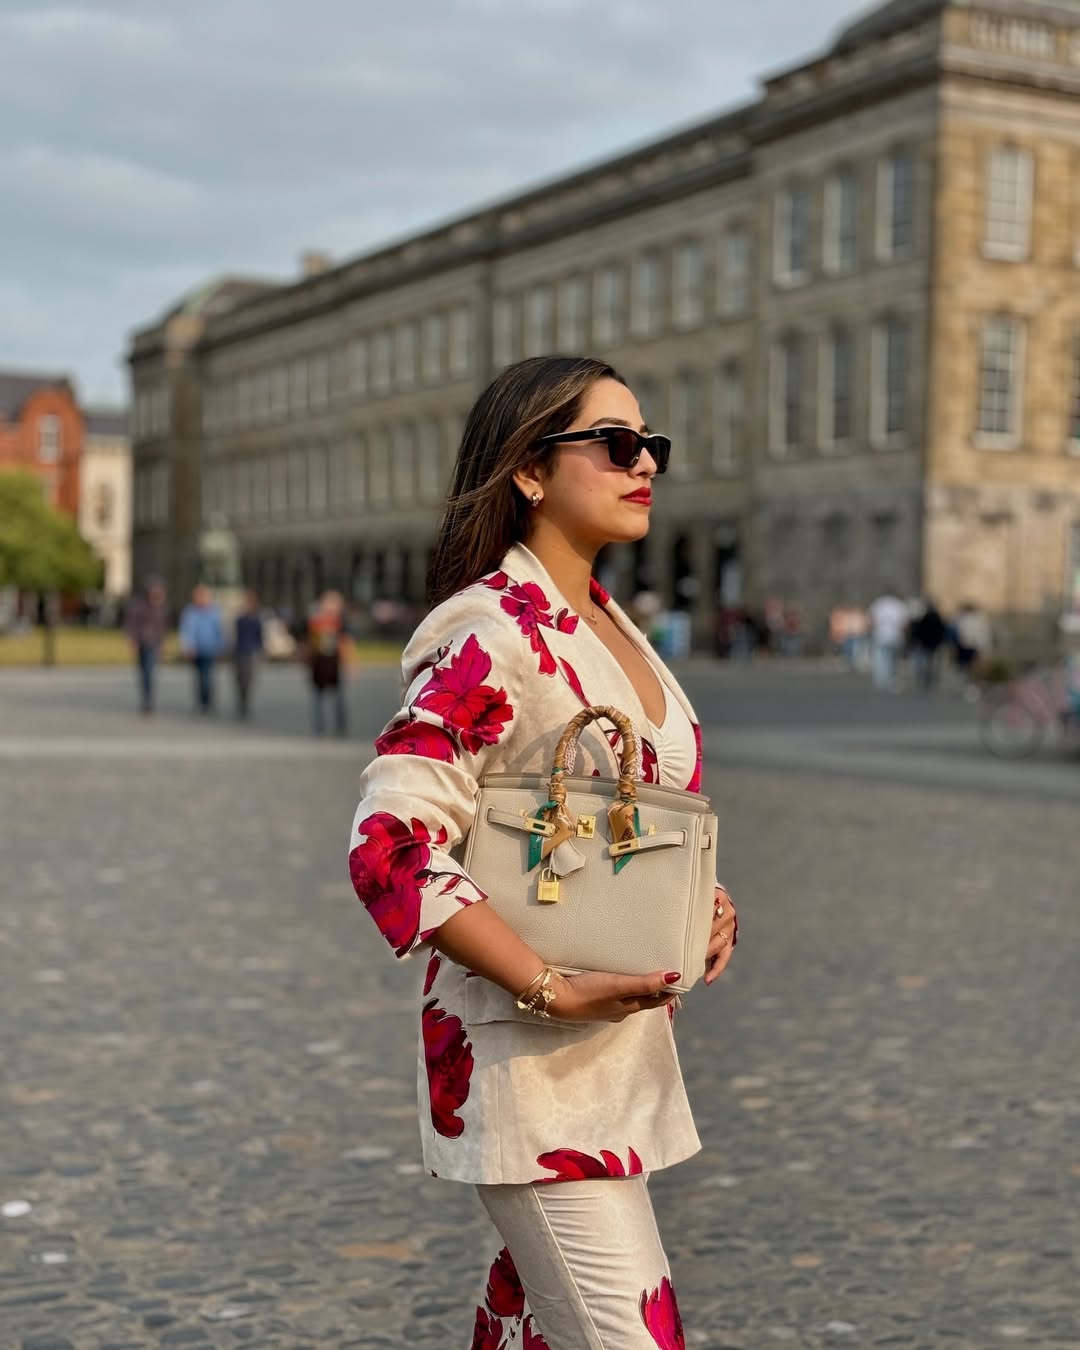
672 976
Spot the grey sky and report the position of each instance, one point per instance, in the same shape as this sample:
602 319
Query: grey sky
146 146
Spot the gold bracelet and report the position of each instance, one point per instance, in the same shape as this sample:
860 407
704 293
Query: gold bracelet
538 1002
535 980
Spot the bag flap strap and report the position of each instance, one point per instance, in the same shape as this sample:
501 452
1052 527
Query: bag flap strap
520 821
665 839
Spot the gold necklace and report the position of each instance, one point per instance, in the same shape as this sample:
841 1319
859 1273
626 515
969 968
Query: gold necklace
593 618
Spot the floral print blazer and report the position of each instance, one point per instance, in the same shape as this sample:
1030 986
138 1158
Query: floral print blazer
492 676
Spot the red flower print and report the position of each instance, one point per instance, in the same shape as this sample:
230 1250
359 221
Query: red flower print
412 737
694 784
457 694
433 970
531 608
388 870
570 1165
505 1296
660 1313
597 592
572 680
449 1061
498 581
531 1338
487 1334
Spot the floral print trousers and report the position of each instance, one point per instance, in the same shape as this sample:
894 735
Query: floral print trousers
586 1259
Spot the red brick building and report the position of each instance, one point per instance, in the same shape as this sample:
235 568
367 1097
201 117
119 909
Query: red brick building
42 430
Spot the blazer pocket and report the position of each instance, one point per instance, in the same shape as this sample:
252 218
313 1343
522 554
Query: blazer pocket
487 1002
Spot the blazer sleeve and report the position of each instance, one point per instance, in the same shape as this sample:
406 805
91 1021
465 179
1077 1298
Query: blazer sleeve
462 692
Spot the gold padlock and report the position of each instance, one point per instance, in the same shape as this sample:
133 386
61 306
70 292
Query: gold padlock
547 890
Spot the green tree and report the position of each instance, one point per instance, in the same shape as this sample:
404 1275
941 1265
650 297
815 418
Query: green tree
41 550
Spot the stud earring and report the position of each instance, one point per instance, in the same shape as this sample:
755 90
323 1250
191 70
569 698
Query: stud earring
535 500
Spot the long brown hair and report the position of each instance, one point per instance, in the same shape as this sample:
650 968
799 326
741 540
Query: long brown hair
485 513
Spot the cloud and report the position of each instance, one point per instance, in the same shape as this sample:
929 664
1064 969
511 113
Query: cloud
147 147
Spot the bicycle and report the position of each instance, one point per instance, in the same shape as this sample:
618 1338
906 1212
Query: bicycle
1015 718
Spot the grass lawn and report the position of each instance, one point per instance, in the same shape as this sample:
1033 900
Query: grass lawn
108 647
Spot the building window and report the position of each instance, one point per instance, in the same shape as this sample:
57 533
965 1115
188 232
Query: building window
1074 399
841 235
688 423
837 386
159 493
260 489
243 400
792 251
648 397
1000 374
279 485
298 496
429 462
103 506
318 488
648 295
731 414
461 340
1009 177
1072 572
406 344
279 396
896 206
688 288
403 467
262 396
48 430
890 379
336 476
539 321
358 367
356 473
735 272
505 338
573 315
609 304
242 489
298 387
382 364
379 467
432 348
319 382
785 400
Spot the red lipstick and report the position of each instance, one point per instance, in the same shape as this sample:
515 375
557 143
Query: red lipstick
642 495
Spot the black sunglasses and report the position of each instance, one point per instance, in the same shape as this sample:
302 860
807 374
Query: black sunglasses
624 444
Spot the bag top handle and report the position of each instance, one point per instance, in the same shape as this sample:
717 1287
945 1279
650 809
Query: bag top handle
629 751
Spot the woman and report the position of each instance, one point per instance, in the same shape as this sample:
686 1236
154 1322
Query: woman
555 462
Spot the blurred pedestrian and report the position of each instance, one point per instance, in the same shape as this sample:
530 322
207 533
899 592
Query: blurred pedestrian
326 649
927 635
973 640
202 640
792 634
247 648
146 623
888 629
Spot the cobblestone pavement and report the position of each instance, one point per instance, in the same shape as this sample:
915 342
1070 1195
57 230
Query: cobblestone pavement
207 1110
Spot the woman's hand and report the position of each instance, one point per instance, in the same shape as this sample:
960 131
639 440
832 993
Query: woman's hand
724 935
594 996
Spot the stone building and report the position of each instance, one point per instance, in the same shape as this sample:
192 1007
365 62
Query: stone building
852 302
105 496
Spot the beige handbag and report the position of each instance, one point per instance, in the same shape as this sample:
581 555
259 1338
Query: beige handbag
594 873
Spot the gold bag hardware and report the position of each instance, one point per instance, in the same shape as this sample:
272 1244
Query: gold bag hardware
547 890
586 827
